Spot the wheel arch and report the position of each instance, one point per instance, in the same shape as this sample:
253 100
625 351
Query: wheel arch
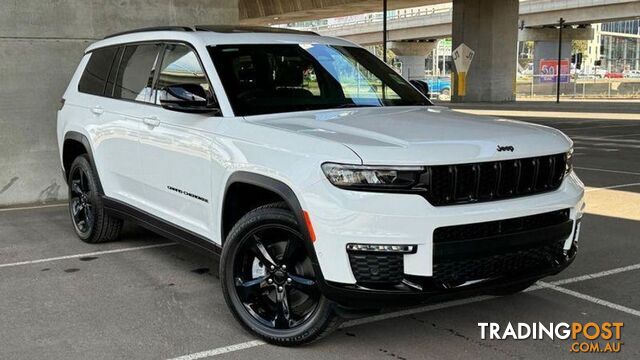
283 191
76 144
276 187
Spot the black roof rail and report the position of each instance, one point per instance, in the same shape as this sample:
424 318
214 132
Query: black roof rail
227 29
153 28
250 29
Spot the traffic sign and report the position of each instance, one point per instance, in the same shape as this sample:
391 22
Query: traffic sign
462 57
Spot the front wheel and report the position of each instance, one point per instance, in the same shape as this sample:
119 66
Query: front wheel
268 280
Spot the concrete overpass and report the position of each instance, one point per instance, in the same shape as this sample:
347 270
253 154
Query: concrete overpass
267 12
430 24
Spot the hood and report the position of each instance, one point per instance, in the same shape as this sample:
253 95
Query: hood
431 135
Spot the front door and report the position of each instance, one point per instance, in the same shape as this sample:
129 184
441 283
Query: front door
177 150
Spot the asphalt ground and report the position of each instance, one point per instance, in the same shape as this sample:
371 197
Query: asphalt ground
145 298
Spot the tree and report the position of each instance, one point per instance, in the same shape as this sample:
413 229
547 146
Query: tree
579 46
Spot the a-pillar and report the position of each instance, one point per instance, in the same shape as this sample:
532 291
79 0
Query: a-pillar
490 29
412 55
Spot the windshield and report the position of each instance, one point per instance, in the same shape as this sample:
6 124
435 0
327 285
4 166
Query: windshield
275 78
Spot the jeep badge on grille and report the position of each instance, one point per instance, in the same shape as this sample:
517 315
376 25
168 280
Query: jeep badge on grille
506 148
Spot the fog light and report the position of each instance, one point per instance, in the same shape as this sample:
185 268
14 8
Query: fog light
405 249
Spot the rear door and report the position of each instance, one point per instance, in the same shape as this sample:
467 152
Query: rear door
114 139
127 96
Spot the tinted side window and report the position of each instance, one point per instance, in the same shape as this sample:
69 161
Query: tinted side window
180 65
135 75
96 72
108 90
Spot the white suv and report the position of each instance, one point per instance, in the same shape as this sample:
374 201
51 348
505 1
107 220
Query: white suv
326 183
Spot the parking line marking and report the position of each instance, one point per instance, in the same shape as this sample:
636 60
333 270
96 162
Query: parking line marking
32 207
395 314
220 350
577 128
618 136
608 170
66 257
539 285
486 297
590 298
596 275
611 187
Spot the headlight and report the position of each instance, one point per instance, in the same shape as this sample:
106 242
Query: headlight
372 177
568 162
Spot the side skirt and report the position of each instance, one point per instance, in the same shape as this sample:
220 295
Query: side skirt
161 227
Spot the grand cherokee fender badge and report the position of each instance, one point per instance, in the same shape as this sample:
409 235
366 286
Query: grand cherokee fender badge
506 148
186 193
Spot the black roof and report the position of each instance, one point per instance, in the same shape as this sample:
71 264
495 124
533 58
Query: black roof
227 29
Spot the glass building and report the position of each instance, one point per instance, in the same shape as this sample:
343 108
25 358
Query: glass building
620 45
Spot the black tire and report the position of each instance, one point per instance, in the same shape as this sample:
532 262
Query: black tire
513 288
90 221
256 299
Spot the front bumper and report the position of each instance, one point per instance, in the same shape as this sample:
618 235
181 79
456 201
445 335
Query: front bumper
342 217
359 297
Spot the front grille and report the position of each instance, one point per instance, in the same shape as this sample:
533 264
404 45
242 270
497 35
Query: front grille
487 181
372 268
482 230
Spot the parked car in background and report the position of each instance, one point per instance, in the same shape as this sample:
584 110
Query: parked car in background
599 72
613 75
438 87
634 74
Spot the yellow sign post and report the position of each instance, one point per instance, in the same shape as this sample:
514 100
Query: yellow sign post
462 86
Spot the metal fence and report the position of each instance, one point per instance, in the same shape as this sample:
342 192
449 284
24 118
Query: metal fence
576 86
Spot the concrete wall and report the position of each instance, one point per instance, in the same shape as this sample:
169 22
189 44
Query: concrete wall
41 43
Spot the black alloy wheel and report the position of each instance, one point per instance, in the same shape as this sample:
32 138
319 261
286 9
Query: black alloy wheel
274 278
90 221
80 202
269 282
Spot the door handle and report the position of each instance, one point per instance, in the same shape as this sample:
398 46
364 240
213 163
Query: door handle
151 121
98 110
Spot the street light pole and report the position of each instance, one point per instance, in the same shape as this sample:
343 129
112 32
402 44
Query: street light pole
559 68
384 30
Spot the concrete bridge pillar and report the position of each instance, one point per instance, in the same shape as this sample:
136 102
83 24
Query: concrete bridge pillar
490 28
412 55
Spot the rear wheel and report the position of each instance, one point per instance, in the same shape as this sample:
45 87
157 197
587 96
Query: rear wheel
88 216
269 282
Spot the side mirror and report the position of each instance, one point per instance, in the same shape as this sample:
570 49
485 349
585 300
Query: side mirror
190 98
422 86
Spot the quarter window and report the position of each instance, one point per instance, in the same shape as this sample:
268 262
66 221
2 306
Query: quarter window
134 80
180 66
96 72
